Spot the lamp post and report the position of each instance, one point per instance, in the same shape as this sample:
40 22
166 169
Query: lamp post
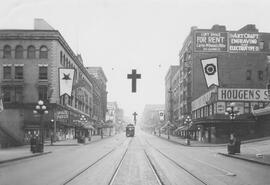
83 119
188 122
232 111
41 109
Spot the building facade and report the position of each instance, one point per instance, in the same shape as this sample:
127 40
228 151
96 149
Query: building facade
29 68
172 95
218 67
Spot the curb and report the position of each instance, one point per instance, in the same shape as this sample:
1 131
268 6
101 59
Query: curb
221 145
244 159
24 157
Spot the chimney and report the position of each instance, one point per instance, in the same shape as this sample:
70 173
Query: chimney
41 24
217 27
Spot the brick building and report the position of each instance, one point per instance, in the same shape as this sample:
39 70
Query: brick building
29 67
218 67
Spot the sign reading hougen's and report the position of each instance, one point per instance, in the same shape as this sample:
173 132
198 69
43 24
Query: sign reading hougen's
210 41
233 94
243 42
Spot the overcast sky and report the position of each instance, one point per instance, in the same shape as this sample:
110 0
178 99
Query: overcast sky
121 35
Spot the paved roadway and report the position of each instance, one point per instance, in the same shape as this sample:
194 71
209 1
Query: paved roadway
144 159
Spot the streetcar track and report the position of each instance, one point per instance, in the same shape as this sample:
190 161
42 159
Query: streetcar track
92 164
178 165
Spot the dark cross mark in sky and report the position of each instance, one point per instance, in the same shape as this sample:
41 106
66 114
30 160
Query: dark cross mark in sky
66 77
134 117
134 77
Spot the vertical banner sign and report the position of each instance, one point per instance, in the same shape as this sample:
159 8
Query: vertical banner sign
1 105
210 70
161 115
66 80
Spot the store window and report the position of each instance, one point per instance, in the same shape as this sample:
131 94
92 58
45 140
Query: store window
19 52
42 92
7 72
31 52
18 72
43 73
43 52
7 51
18 94
246 108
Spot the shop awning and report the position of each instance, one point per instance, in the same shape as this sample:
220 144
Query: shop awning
179 128
261 112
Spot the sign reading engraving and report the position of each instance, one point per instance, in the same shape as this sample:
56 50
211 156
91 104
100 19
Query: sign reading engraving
243 42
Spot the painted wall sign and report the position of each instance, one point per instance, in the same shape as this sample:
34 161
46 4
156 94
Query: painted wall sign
210 41
201 101
243 42
233 94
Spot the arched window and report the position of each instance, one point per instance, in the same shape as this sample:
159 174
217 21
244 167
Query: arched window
19 52
43 52
31 52
7 51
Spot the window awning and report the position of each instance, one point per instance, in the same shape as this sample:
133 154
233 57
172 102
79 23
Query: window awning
261 112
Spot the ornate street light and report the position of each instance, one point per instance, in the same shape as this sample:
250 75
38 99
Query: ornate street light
188 122
232 111
41 109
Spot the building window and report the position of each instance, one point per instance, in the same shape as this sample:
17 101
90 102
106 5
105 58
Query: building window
43 52
31 52
18 94
7 72
248 74
7 51
43 73
260 75
61 56
19 52
18 72
42 92
6 94
261 45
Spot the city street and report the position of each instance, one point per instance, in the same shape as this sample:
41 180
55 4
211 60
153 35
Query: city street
144 159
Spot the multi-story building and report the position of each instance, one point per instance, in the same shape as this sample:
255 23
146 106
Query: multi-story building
115 116
150 119
218 67
172 90
29 68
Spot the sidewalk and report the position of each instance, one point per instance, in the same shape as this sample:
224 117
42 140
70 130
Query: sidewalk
255 150
23 152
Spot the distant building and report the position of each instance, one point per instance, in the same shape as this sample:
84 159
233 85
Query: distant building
218 67
115 115
151 117
172 90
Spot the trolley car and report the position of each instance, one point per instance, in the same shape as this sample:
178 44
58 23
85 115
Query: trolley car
130 130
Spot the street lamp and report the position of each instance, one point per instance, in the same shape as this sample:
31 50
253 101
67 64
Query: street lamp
188 122
41 109
232 111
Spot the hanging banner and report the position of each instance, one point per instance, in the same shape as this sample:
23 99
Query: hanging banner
66 80
210 70
161 115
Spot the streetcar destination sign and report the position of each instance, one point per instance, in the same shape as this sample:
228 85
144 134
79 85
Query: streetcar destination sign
233 94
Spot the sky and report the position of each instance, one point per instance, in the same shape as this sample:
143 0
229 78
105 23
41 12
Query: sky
121 35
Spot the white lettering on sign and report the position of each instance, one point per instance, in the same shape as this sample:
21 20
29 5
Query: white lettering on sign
232 94
201 101
244 42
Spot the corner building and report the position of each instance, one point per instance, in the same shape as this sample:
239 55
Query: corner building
29 67
240 72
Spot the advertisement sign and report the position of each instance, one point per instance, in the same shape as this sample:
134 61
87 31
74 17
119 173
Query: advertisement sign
239 94
62 114
210 41
243 42
202 100
220 107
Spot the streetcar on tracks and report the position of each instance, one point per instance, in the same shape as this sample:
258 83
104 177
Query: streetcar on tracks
130 130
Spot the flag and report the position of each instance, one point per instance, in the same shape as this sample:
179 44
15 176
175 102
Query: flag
1 105
210 70
161 115
66 80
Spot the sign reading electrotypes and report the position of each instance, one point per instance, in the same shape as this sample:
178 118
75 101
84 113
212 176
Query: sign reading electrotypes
210 41
243 42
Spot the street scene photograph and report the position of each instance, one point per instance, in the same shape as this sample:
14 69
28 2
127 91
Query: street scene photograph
134 92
